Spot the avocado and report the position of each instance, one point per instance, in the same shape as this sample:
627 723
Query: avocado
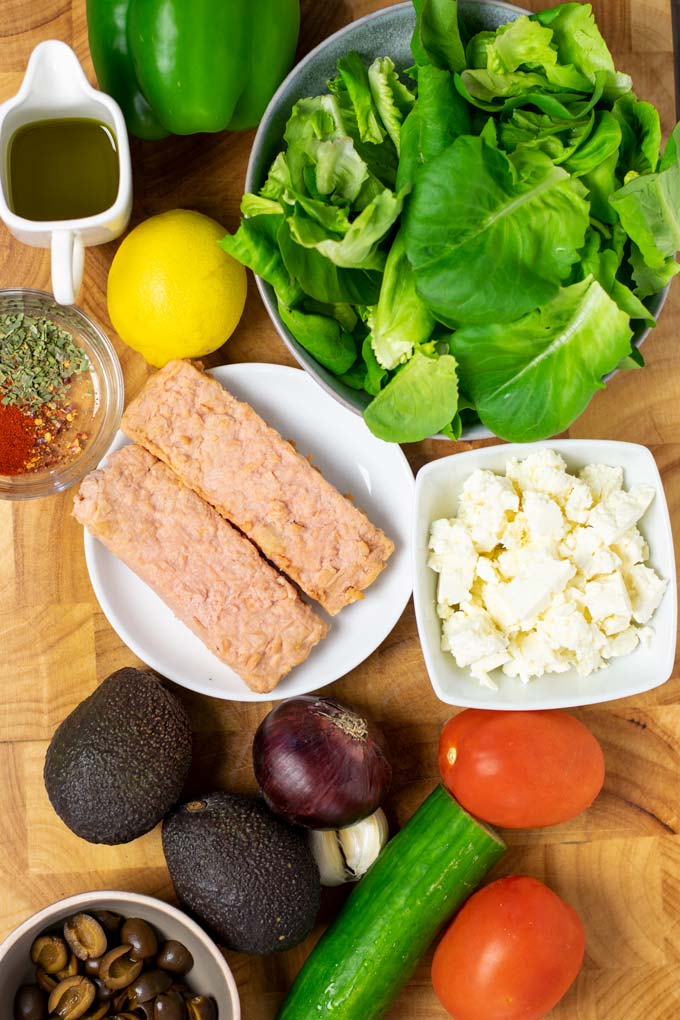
118 762
246 876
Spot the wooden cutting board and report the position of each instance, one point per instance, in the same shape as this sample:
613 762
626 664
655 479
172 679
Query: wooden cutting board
618 864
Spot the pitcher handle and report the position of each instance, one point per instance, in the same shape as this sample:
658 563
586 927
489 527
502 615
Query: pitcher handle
68 259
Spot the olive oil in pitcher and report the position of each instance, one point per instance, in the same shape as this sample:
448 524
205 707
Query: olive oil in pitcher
63 169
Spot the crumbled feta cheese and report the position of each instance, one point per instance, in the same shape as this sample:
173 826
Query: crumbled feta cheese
454 558
485 503
542 571
646 590
619 512
602 480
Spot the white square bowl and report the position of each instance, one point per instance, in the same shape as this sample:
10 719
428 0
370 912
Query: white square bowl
438 486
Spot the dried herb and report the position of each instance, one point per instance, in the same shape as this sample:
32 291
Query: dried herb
37 361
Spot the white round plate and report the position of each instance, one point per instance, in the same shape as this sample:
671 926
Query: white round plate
380 480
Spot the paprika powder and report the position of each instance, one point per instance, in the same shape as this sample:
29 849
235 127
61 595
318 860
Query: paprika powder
17 439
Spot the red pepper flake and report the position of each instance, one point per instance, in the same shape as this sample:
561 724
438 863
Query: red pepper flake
17 439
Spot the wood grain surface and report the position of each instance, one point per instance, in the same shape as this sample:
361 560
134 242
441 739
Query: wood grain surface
618 864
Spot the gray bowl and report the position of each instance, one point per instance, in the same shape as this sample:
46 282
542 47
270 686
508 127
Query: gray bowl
385 33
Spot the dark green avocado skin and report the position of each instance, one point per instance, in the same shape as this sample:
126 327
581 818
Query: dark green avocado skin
246 876
118 762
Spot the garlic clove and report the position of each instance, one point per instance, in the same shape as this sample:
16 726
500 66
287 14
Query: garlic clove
344 855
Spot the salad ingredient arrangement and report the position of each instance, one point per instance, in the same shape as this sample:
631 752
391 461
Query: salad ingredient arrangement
510 954
521 149
520 770
320 764
345 855
102 963
176 70
226 453
46 394
118 762
171 292
541 571
246 875
371 948
207 572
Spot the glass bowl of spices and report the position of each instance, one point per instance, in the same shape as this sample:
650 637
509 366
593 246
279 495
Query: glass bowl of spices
61 394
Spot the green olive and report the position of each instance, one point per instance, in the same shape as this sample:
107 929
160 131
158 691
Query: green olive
109 921
117 969
49 952
85 936
72 998
47 982
140 936
200 1007
174 957
30 1003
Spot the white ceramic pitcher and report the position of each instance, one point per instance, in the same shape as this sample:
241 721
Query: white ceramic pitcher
55 87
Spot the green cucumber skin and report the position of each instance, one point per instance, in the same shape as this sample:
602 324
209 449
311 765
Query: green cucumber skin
370 951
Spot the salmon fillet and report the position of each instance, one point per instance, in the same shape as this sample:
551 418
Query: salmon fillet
210 576
224 451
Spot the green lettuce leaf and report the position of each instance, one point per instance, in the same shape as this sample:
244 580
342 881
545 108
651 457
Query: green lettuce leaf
391 97
556 137
649 210
322 279
602 143
490 236
439 116
530 379
579 43
358 248
255 244
650 281
640 135
436 39
324 338
400 321
321 156
355 79
375 374
419 401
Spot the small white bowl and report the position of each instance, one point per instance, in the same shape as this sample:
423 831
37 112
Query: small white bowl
210 974
438 486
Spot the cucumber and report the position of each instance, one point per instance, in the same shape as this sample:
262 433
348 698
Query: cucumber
371 949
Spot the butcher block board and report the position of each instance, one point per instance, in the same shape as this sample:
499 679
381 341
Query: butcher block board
618 864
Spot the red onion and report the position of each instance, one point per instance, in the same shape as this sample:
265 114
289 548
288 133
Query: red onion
319 763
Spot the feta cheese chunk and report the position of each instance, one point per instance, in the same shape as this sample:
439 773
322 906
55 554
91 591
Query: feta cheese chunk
485 503
646 590
471 636
619 512
454 558
542 571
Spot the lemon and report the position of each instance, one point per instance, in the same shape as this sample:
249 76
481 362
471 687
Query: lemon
172 291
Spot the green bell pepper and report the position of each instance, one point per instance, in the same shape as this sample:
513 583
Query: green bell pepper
181 68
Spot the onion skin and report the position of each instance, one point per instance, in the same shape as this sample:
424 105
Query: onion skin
320 764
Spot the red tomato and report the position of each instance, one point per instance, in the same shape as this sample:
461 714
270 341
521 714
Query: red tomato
520 770
510 954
